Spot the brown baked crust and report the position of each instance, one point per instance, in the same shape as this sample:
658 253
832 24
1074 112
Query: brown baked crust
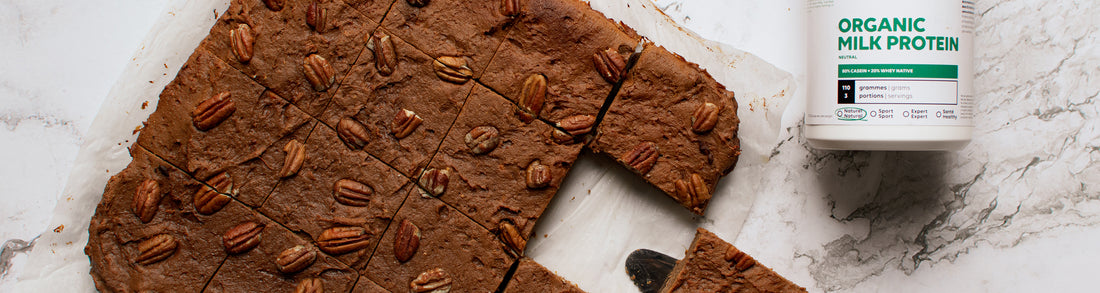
372 9
471 29
713 265
283 40
365 285
373 99
306 201
491 188
656 104
533 277
468 253
564 34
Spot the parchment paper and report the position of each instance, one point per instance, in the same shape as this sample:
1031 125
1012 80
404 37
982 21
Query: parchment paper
601 214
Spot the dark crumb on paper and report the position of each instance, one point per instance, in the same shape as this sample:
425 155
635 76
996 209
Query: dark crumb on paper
144 105
59 229
150 81
137 129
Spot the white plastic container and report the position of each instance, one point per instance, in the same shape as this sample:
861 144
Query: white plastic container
890 75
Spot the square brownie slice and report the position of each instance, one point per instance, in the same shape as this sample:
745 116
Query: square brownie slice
550 62
500 171
266 257
337 188
713 265
394 106
142 246
301 52
211 115
451 28
533 277
430 242
672 124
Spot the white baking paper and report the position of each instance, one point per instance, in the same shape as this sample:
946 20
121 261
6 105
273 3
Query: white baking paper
601 214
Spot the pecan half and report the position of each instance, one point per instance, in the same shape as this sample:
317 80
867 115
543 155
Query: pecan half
352 193
210 200
578 124
316 17
538 175
610 65
156 249
738 260
385 54
692 192
435 180
642 157
353 133
310 285
453 69
241 39
295 157
341 240
295 259
509 8
146 200
482 139
704 118
511 237
561 137
419 3
407 241
431 281
274 5
404 123
319 72
213 111
242 238
533 95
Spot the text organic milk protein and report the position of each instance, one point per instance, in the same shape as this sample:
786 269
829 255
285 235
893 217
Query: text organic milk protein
890 75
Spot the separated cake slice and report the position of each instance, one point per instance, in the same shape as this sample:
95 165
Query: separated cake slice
533 277
713 265
674 125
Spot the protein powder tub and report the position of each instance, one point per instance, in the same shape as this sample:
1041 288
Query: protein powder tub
890 75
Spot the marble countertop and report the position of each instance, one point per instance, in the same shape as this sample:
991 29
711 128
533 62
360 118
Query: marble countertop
1016 210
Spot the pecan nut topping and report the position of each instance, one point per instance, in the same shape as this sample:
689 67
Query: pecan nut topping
704 118
432 281
435 180
274 5
146 200
453 69
482 139
407 241
241 40
419 3
509 8
533 95
352 193
310 285
610 65
209 199
156 249
317 17
295 259
738 259
295 157
561 137
341 240
353 133
212 111
404 123
642 157
538 175
385 54
692 192
578 124
242 238
319 72
511 237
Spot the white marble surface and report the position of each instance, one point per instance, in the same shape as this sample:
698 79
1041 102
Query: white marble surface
1017 210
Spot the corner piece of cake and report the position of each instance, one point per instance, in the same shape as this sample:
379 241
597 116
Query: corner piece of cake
713 265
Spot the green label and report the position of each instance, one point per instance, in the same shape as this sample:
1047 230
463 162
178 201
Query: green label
898 71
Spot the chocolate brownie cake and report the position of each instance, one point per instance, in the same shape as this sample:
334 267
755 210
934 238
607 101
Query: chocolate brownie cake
350 145
713 265
533 277
672 124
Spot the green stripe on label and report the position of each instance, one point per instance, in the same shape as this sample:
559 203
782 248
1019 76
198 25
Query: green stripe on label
898 71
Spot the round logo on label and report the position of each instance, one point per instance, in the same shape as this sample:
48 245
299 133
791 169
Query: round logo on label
851 114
